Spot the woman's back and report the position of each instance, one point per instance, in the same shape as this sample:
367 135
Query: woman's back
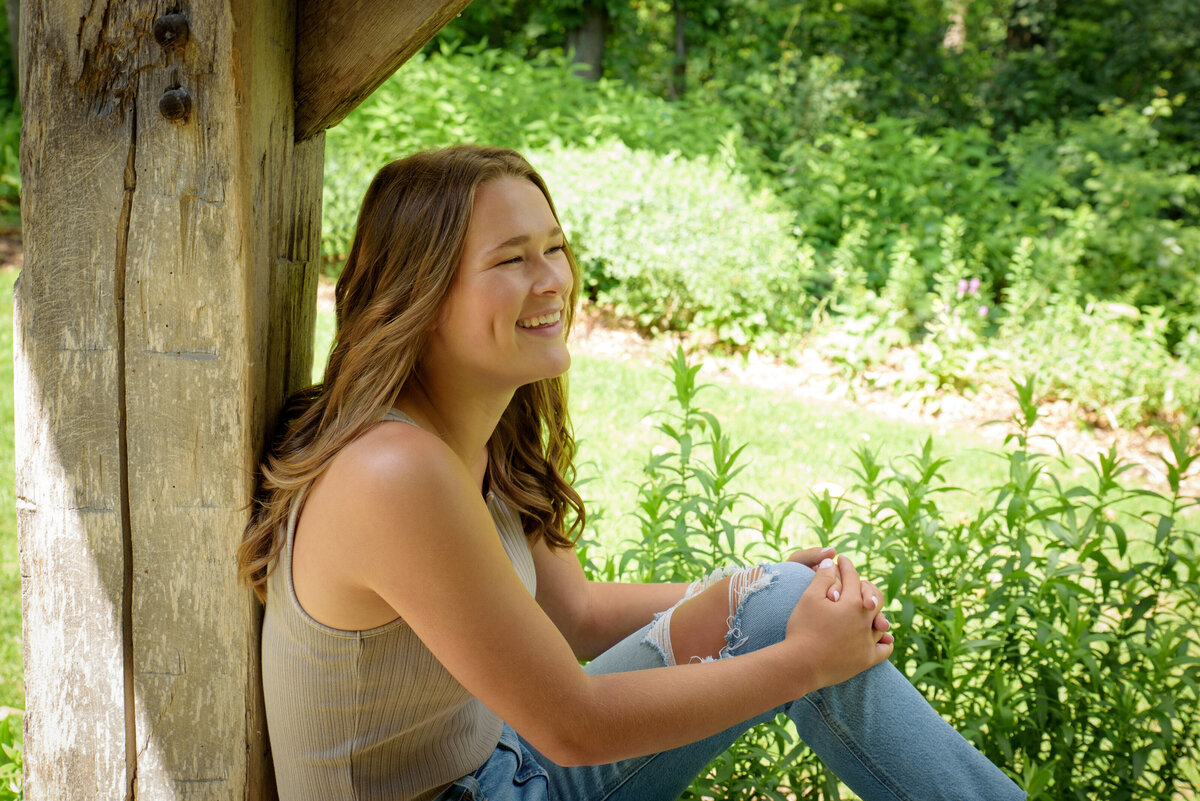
369 714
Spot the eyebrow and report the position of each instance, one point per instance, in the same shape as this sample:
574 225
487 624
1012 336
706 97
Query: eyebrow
521 239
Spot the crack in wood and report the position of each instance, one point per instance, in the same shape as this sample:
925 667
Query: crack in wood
122 253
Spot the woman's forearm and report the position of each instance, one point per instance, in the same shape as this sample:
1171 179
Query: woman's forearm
616 610
646 711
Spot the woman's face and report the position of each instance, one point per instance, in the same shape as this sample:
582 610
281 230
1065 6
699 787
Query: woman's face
503 323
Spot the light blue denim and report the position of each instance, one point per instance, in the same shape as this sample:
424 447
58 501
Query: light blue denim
875 732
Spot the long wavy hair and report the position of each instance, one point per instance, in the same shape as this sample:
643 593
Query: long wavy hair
401 266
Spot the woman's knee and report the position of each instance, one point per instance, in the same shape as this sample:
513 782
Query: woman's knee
763 615
730 611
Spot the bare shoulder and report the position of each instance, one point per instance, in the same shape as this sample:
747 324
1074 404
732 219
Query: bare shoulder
391 458
382 498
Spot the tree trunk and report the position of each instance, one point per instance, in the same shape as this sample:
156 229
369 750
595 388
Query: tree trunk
171 228
678 83
955 37
585 43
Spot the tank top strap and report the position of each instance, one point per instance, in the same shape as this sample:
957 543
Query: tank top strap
394 415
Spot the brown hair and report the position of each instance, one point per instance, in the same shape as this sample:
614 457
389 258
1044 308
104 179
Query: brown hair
409 239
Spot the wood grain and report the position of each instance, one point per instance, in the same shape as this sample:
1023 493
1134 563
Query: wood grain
346 48
165 307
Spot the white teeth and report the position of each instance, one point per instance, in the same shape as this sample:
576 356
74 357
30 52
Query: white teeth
545 319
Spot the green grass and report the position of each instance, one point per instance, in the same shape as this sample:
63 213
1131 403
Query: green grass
792 444
12 687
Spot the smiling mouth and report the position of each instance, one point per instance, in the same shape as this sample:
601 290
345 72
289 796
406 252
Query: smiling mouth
538 322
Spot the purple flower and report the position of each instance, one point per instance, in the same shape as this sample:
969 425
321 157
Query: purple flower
973 287
983 310
962 287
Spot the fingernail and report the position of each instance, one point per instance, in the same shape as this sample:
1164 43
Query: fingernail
827 550
825 563
836 595
874 602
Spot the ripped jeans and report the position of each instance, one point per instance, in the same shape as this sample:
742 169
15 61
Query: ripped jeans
874 731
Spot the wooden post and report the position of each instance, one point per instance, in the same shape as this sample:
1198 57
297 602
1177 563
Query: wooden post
171 227
171 223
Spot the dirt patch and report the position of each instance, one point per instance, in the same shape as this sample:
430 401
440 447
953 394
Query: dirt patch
12 256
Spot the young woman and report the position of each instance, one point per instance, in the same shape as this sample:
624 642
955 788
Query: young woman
412 538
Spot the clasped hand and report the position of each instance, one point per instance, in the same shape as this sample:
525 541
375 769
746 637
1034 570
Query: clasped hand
839 619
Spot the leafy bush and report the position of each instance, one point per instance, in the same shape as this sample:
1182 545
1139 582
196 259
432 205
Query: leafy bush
1053 627
1109 358
10 756
1110 210
679 244
871 228
1115 212
492 97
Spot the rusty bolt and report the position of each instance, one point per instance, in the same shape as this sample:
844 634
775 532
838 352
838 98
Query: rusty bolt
175 104
171 30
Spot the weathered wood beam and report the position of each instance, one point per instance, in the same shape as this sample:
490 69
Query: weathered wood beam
346 48
171 225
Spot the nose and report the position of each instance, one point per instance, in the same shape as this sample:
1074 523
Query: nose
553 276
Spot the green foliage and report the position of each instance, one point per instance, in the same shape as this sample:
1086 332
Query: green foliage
691 522
1113 211
493 97
10 165
1000 64
679 244
1110 359
11 753
12 688
1052 625
10 133
1067 59
749 217
1114 208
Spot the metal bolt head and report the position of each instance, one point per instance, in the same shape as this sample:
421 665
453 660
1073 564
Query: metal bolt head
171 31
175 104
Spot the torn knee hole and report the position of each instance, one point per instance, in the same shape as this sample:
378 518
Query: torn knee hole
709 625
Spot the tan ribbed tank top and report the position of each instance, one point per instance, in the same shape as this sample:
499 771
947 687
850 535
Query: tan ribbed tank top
369 715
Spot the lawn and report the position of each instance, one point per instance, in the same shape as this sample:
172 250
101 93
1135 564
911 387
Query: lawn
12 688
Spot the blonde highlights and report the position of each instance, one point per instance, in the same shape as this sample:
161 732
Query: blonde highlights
400 269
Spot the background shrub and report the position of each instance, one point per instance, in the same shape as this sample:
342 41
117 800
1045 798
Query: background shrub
679 244
493 97
850 233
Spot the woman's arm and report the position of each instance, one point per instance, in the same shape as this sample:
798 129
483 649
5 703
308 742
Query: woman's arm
412 528
594 616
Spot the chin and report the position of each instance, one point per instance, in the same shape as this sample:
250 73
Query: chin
558 366
561 369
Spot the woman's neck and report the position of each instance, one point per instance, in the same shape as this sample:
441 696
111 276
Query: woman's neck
464 417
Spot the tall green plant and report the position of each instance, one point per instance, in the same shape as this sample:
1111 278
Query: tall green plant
1053 625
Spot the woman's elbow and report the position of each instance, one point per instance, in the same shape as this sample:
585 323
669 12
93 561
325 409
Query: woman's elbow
565 745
